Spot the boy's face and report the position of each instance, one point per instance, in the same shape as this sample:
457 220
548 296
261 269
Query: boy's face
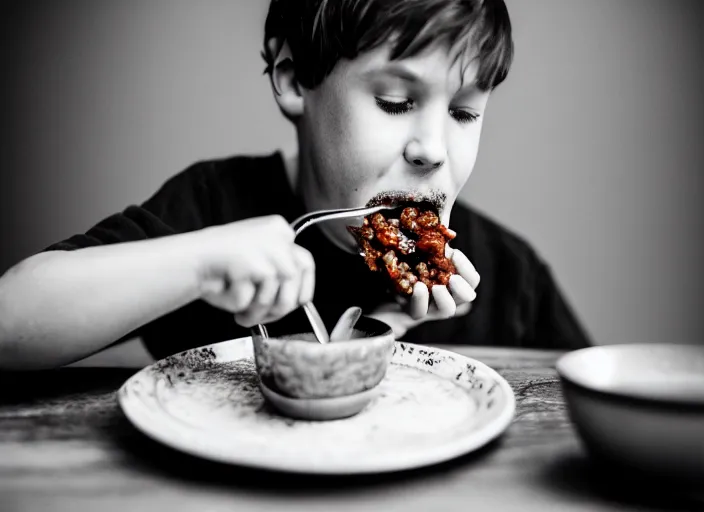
376 126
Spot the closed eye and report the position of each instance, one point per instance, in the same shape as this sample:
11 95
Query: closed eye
463 116
401 107
394 107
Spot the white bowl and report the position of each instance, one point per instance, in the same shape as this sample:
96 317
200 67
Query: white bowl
640 406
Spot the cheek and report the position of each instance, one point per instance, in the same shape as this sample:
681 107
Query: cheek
463 147
361 143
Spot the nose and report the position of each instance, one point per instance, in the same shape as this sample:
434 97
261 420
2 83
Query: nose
426 150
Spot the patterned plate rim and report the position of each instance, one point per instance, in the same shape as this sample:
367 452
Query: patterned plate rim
171 433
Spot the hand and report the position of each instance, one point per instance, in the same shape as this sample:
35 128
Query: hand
396 317
447 303
254 269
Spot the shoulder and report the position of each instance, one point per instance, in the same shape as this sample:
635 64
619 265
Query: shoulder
219 190
227 171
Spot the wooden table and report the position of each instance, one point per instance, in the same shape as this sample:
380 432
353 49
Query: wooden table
66 446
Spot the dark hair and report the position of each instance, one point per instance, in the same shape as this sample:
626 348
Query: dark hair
321 32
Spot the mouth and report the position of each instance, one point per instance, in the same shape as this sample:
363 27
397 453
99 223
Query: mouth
407 243
425 201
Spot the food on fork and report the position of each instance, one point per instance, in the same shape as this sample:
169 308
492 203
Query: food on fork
408 245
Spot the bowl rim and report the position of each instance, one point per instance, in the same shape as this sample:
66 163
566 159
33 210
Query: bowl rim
385 334
634 398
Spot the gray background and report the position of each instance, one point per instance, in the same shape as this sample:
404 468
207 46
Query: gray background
592 150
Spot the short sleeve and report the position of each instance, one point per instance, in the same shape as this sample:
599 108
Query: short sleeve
182 204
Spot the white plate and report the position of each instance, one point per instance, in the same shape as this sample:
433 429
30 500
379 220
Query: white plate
433 405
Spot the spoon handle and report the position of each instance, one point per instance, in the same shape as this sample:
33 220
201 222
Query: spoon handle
316 323
345 325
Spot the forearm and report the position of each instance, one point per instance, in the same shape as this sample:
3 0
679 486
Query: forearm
58 307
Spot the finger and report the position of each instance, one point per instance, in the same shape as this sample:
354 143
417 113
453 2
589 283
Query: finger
242 294
261 304
252 317
444 301
298 288
306 266
247 318
307 288
283 260
419 301
465 268
255 270
461 290
435 314
286 300
296 274
236 298
266 294
463 309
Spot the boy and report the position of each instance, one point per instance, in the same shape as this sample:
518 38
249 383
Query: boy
387 97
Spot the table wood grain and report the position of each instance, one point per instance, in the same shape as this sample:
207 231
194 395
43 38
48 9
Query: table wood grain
66 446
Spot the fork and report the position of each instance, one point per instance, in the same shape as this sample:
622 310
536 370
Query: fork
309 219
299 225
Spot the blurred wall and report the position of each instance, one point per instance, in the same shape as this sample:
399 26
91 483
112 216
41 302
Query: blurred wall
592 150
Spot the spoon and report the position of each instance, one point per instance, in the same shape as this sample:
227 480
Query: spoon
321 333
345 325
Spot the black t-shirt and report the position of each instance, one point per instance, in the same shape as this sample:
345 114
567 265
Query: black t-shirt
518 303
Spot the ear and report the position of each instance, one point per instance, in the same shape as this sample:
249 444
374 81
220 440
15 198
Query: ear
283 80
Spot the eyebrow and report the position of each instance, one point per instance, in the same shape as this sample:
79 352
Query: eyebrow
397 70
394 70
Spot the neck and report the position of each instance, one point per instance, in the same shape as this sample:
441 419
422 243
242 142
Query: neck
291 165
